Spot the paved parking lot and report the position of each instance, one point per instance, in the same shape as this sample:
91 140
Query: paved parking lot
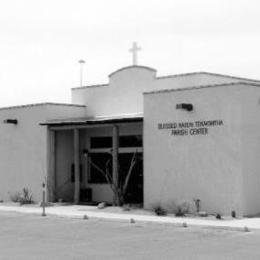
25 236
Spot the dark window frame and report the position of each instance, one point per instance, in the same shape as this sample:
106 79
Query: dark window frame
125 141
97 149
94 176
101 142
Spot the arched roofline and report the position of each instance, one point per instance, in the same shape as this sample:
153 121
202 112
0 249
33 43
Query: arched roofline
130 67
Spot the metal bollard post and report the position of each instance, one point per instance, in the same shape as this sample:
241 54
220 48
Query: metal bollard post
43 200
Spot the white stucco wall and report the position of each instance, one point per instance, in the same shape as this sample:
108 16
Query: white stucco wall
193 80
206 167
220 168
251 148
23 146
123 93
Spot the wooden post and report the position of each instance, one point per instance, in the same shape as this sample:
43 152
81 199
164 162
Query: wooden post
115 162
76 166
51 174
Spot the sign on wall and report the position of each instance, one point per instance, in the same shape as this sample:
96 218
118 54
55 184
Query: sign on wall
190 128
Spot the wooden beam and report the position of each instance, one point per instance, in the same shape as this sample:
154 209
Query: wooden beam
51 173
76 166
115 161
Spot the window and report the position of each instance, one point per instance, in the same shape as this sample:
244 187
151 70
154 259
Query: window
130 141
125 162
100 158
98 162
134 192
101 142
124 141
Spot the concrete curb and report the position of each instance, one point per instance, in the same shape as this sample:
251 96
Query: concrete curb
79 212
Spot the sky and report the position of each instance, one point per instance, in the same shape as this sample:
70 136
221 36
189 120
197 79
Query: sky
41 42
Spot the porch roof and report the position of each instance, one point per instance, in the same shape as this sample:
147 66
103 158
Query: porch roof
130 118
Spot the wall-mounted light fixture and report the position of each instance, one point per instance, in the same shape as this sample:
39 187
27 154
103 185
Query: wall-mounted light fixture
11 121
185 106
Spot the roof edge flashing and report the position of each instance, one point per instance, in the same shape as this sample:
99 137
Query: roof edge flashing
132 67
90 86
42 104
202 87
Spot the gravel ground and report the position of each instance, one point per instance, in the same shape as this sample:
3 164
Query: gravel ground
35 237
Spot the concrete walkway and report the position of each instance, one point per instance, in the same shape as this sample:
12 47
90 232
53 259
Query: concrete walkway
77 211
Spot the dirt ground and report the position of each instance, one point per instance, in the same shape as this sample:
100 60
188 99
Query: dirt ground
35 237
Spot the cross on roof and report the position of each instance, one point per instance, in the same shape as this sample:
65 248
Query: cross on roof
134 51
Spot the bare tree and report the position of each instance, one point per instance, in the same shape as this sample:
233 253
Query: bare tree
119 189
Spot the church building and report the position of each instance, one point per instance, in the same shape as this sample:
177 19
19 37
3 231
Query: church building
193 136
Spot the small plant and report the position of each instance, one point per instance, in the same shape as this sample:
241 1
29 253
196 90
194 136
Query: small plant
26 197
159 211
23 198
182 209
179 212
218 216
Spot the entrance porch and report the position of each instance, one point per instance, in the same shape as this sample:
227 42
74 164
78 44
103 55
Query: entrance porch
86 157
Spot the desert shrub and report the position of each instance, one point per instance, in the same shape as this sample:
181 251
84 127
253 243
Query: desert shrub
183 208
179 212
23 198
159 210
26 197
218 216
